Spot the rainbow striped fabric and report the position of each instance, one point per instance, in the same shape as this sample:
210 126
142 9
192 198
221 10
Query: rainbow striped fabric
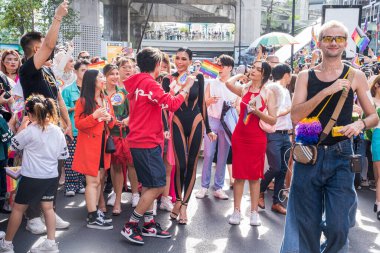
313 42
98 66
361 40
210 69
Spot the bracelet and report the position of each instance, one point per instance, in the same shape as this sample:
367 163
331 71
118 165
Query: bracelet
57 19
365 125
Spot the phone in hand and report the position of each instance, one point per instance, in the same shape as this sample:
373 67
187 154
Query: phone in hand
7 94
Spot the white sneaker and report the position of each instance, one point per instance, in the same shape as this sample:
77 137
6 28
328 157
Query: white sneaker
155 207
36 226
201 193
135 199
111 199
255 219
235 218
70 194
82 190
2 234
166 204
60 223
6 248
220 194
364 183
45 246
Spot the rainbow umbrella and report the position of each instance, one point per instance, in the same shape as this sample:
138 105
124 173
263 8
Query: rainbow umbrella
274 39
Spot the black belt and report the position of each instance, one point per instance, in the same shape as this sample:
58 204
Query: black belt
282 131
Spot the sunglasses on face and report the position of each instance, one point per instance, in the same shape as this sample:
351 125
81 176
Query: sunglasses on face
85 57
330 39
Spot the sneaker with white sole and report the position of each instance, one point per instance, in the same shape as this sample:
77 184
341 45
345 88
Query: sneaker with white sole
59 222
36 226
111 199
6 248
82 190
155 207
70 194
135 199
132 233
235 218
220 194
203 192
104 216
2 234
154 229
255 219
98 222
166 204
45 246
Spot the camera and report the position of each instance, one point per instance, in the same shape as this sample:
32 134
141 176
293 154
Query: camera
355 163
7 94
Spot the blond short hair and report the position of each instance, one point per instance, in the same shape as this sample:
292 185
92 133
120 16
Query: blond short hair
332 24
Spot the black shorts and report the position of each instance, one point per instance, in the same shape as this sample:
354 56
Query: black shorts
35 190
150 167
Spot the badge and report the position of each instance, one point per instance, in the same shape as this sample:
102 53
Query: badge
117 98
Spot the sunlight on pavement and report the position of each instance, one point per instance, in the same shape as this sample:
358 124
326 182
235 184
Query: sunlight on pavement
360 219
42 238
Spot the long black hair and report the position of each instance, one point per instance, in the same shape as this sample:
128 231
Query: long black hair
87 92
187 51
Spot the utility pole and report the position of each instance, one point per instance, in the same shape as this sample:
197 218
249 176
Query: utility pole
293 21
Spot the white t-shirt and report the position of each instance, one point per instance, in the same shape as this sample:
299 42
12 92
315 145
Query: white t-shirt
41 150
219 89
284 122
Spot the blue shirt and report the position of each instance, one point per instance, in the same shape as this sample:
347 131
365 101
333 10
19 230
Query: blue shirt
70 95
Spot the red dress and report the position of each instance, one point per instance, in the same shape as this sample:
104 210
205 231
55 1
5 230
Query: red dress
249 144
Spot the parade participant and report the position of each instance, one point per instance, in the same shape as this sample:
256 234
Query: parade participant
122 157
63 67
187 132
249 141
42 143
278 144
84 55
327 186
36 78
74 182
94 117
10 64
147 98
216 96
169 160
375 145
126 69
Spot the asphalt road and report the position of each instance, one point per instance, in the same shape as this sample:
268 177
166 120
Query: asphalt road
207 231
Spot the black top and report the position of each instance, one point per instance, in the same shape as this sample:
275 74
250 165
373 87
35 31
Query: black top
194 103
345 117
38 81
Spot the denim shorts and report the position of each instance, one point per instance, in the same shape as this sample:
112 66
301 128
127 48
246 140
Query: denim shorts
150 168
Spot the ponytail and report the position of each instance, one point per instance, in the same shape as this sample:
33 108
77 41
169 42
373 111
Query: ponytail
42 109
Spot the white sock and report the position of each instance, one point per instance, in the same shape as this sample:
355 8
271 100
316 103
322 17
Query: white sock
51 242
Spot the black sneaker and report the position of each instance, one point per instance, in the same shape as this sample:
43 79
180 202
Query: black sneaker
154 229
98 223
105 217
132 232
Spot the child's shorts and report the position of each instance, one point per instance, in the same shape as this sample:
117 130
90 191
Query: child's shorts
35 190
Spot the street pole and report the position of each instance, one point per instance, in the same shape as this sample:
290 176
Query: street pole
293 20
240 32
146 24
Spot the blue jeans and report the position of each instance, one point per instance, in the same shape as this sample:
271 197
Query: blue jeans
209 152
278 145
326 187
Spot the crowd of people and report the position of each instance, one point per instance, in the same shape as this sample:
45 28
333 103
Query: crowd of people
138 124
189 36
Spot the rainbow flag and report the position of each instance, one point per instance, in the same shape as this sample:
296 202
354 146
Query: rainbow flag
11 184
313 42
378 58
98 66
355 61
361 40
210 69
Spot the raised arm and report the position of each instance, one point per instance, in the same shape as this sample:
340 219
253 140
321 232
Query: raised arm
202 103
50 40
230 84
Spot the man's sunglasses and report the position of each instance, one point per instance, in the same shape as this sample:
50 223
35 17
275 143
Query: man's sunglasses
330 39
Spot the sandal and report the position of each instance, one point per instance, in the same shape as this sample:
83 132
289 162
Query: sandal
116 212
173 215
183 221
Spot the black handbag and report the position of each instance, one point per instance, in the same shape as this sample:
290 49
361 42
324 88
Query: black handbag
110 144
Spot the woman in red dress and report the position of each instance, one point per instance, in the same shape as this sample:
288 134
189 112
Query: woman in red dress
249 140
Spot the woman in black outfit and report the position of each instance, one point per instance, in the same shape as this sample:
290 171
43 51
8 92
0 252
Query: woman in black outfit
187 131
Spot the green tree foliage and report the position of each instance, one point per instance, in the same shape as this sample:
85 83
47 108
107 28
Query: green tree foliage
20 16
